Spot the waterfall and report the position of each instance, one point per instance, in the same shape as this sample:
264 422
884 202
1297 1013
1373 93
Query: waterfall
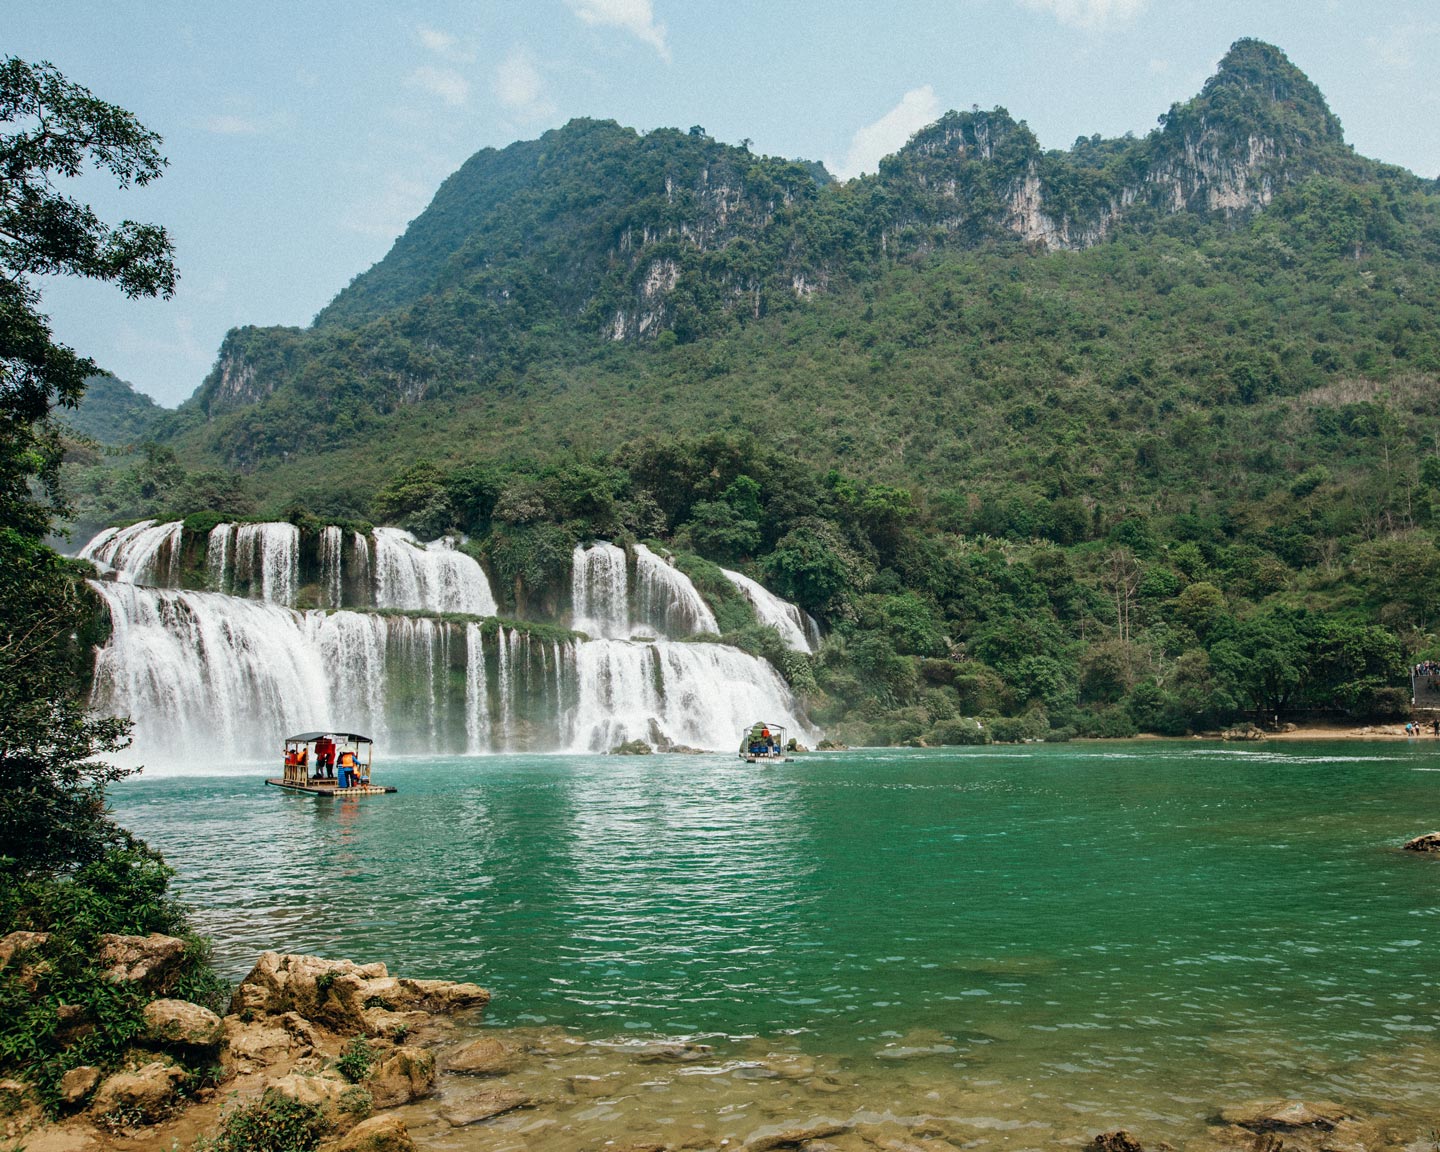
434 577
360 550
266 562
798 629
355 652
263 562
477 701
502 688
507 644
332 563
211 678
208 677
143 553
217 557
702 695
666 600
599 591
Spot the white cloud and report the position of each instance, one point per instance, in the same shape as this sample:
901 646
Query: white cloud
870 144
399 201
520 88
1395 50
445 83
634 16
1088 13
232 126
443 44
172 343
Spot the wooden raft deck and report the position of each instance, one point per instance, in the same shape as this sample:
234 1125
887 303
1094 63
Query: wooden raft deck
330 788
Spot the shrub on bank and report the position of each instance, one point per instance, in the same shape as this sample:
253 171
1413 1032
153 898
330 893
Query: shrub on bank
57 1009
958 731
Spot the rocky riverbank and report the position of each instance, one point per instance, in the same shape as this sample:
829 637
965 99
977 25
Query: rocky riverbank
388 1064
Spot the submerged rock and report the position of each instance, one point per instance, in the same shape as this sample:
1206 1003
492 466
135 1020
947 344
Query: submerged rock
1286 1115
1117 1141
662 1052
485 1107
483 1057
794 1137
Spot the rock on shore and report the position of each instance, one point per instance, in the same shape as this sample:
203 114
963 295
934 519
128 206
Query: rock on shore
288 1023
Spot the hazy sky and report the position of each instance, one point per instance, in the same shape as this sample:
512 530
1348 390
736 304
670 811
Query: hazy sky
303 136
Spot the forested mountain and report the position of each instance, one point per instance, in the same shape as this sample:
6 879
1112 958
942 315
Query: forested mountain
113 413
1077 435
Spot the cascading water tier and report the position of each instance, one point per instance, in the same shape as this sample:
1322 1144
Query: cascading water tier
211 678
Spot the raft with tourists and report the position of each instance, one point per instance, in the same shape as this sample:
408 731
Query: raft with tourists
335 764
764 743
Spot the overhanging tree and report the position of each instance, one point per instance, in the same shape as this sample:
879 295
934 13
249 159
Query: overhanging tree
51 132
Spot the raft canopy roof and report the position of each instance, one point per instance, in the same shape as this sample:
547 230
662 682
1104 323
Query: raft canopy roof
311 737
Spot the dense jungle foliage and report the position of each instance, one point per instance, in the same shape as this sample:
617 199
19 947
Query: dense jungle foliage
1173 464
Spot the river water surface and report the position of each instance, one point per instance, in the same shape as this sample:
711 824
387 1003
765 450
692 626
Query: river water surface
1128 933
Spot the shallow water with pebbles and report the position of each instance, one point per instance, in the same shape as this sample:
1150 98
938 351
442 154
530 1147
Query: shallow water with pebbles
1012 946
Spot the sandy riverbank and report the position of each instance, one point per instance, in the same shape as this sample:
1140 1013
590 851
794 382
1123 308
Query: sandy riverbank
1346 732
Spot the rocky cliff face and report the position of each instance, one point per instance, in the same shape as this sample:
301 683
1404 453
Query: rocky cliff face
236 382
1258 125
624 236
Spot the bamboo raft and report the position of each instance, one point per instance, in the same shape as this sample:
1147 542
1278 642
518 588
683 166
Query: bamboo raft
327 787
350 780
763 743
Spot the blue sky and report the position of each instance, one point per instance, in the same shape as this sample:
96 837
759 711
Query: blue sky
303 136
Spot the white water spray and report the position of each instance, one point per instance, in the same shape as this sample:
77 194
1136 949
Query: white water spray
796 627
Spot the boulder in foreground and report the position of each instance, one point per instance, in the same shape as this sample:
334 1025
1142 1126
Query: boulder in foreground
378 1134
348 998
180 1023
145 1094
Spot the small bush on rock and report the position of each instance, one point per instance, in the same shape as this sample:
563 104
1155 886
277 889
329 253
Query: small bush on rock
274 1123
355 1060
356 1102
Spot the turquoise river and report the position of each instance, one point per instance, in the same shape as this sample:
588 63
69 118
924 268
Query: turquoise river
1134 933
